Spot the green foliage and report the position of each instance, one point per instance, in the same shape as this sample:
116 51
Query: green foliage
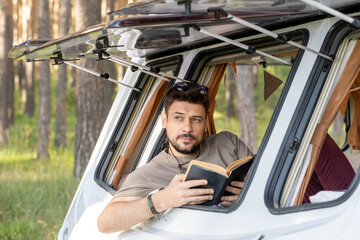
264 109
35 194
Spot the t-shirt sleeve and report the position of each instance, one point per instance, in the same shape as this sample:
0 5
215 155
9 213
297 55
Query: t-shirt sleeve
134 186
153 175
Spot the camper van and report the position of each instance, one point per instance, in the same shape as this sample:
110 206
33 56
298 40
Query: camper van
307 55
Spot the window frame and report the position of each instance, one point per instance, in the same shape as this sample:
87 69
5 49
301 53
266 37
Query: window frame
299 124
122 123
205 56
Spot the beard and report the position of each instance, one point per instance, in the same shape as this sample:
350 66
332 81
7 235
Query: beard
188 148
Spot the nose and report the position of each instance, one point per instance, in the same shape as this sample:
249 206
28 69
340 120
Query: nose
187 127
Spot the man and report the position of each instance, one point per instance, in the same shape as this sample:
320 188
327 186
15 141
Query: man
184 119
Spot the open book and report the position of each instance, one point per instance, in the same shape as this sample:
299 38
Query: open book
218 177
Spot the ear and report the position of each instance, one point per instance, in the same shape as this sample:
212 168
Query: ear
163 120
206 130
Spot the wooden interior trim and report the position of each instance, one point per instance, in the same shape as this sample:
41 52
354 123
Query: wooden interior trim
144 120
347 79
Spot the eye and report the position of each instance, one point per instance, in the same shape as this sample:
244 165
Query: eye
196 120
178 117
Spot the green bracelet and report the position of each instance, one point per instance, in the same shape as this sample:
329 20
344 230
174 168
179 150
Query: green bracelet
151 205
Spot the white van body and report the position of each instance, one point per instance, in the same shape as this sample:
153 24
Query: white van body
253 216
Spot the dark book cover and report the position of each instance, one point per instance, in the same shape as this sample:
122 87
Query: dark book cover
218 181
215 180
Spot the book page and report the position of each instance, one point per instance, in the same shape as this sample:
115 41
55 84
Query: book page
237 163
209 166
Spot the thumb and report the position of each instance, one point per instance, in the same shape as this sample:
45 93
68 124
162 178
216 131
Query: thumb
179 177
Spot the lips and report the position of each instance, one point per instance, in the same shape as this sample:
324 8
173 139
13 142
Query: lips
186 137
185 140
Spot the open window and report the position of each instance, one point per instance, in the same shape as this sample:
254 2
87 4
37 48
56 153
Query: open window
212 67
134 128
322 170
258 86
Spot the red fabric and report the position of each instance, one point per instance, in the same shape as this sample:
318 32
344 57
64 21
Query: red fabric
332 171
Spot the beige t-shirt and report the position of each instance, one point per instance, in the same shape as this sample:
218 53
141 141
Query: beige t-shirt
221 149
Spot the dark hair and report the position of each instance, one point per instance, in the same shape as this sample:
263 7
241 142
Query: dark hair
192 95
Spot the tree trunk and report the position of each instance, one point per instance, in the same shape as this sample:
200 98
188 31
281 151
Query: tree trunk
109 88
10 91
29 89
230 92
29 6
89 94
44 85
109 68
22 77
60 118
246 104
6 66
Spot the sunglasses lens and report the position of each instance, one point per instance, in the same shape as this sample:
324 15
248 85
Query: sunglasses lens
203 89
183 86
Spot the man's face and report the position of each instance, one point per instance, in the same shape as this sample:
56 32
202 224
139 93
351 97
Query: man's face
185 126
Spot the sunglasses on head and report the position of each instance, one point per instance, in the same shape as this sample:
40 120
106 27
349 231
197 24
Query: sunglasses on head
183 87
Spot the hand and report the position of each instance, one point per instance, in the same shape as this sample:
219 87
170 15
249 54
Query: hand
179 193
235 188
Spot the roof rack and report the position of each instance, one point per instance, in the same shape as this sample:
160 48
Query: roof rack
247 48
353 21
281 37
156 72
101 75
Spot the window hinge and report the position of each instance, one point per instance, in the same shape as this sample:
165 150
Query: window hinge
293 144
113 147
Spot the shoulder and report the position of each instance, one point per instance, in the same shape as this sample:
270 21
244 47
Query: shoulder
155 161
229 138
223 136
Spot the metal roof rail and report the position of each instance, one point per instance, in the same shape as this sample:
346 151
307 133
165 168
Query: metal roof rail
353 21
281 37
249 49
101 75
156 72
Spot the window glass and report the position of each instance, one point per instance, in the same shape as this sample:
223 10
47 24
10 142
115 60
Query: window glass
249 90
322 169
133 127
248 120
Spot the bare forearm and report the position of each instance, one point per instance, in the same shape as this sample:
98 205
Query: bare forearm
122 215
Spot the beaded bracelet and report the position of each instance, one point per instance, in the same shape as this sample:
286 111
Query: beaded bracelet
151 205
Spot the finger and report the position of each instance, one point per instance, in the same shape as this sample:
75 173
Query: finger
234 190
237 184
179 177
195 183
225 204
232 198
199 199
200 191
246 177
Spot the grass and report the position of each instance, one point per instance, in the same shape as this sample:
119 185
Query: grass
35 194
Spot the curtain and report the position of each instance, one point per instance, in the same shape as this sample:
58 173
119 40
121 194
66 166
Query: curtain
347 79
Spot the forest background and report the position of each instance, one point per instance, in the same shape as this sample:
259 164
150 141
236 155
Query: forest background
51 116
46 112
